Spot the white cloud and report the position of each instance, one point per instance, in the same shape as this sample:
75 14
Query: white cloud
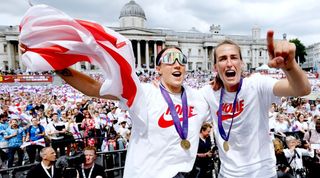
297 18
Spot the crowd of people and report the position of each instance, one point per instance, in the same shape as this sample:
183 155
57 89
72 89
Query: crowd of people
295 130
32 117
237 104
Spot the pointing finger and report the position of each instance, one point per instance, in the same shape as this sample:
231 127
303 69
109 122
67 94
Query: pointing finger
270 44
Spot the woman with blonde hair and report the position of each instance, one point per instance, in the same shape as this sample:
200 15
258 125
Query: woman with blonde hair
283 167
73 128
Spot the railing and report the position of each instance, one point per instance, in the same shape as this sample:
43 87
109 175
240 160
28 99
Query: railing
14 171
112 161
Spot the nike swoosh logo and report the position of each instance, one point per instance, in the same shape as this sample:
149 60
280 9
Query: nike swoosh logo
229 116
167 123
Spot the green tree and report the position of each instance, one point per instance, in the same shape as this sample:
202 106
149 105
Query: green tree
300 51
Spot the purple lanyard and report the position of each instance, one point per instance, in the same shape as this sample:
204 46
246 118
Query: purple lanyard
183 133
221 130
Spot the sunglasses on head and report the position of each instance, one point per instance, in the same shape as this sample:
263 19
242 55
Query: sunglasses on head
172 57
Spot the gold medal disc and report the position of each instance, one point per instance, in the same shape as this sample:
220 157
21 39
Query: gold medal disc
185 144
225 146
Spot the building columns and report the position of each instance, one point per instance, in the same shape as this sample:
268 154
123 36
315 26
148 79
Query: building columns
155 53
139 54
10 57
206 58
22 67
147 55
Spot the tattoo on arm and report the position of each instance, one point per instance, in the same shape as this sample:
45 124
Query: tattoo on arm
64 72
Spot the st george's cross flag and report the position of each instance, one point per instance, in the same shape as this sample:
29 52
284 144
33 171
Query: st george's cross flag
55 41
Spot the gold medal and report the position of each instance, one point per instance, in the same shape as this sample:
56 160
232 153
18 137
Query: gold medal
185 144
225 146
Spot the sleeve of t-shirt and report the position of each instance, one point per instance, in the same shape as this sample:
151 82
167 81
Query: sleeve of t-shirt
138 110
21 130
205 93
265 86
42 128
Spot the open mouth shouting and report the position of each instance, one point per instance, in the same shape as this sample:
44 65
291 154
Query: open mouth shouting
177 74
230 73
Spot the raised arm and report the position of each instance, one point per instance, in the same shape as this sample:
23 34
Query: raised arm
78 80
282 55
83 83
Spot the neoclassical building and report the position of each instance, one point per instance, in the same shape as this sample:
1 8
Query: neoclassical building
148 41
313 57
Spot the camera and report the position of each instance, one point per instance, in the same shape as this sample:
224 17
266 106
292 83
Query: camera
301 172
70 161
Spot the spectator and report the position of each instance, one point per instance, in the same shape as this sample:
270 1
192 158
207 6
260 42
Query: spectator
3 142
88 125
35 132
99 125
55 131
72 127
15 136
46 169
294 155
204 164
44 121
282 125
78 115
313 136
124 132
89 167
283 167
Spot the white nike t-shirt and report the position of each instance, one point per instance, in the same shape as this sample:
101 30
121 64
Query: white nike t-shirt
156 152
251 152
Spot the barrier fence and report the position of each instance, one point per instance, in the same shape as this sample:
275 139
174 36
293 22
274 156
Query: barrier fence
25 78
112 161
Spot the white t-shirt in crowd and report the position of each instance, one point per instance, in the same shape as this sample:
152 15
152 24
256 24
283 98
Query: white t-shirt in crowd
296 162
282 126
156 152
251 153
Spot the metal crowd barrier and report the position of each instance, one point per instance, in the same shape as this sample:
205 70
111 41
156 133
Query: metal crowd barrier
112 161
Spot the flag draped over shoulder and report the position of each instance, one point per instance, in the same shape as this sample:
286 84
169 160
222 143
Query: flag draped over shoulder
55 41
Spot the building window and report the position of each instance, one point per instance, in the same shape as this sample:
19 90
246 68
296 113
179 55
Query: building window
6 65
260 53
5 48
199 65
209 67
189 65
199 52
83 66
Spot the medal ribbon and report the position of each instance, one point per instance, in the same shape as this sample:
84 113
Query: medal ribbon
46 171
182 131
221 130
83 173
